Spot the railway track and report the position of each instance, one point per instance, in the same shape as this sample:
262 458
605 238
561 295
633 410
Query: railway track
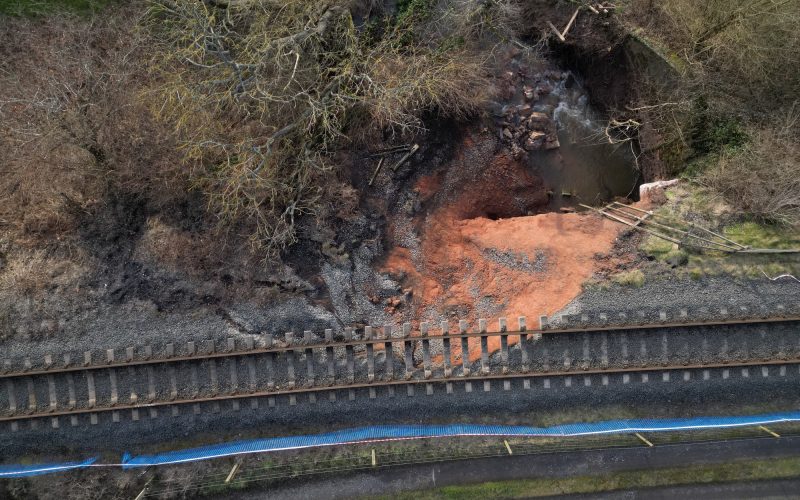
270 370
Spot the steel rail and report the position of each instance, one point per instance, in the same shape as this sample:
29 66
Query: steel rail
379 340
400 382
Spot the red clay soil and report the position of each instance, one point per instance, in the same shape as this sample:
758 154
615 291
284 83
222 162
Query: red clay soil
522 266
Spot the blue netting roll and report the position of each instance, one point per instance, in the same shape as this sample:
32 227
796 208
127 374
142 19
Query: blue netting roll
9 471
391 432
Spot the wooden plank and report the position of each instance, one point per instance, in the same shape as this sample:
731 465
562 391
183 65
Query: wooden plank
555 30
615 218
689 223
570 23
405 157
670 228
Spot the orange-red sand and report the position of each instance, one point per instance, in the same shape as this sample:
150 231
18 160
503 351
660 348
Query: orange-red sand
455 267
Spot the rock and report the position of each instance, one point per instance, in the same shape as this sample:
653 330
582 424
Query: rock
535 141
516 151
543 89
539 120
645 189
529 93
392 304
552 142
507 134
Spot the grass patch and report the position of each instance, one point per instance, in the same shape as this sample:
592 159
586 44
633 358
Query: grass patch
656 247
629 278
763 236
696 474
28 8
695 203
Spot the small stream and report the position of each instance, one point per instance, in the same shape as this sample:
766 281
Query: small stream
586 166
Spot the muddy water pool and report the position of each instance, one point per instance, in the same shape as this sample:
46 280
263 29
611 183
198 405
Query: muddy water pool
585 168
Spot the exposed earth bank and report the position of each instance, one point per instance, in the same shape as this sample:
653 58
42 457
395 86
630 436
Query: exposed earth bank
462 230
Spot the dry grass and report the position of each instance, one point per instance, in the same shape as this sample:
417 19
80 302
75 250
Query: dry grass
72 127
761 178
732 115
743 56
26 274
272 91
252 103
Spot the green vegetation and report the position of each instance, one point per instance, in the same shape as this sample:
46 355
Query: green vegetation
739 470
629 278
702 205
762 236
43 7
730 120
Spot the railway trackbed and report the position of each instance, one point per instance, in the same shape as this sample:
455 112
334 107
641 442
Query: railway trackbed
263 369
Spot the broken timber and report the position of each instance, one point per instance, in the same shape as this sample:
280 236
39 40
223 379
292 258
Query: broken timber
562 35
405 157
618 212
383 153
375 174
597 9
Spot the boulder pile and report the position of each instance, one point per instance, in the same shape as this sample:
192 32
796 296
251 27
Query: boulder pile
519 126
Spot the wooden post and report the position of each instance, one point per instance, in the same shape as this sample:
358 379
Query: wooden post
555 30
569 24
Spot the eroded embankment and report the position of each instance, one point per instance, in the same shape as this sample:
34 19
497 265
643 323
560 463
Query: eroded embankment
491 232
481 250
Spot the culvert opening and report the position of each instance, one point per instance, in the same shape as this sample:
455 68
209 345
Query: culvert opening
550 125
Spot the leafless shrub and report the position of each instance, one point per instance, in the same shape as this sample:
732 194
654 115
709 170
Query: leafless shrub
72 125
742 55
738 65
762 177
264 93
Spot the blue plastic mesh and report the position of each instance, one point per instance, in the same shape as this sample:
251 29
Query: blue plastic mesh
389 432
9 471
392 432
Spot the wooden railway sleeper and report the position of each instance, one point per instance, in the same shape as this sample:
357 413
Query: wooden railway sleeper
523 342
350 356
426 350
370 355
484 347
388 348
290 361
503 345
448 369
462 328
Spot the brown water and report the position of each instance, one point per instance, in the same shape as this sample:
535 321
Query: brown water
586 166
